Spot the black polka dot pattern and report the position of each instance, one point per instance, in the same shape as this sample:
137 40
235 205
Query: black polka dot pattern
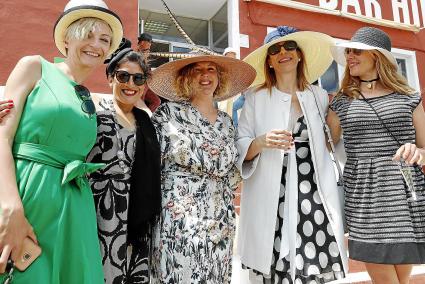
317 256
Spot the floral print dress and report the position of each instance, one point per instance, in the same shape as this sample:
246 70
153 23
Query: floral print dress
193 241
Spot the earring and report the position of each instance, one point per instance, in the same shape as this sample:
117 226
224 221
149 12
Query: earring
299 59
271 67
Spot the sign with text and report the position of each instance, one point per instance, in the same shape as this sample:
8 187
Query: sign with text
407 12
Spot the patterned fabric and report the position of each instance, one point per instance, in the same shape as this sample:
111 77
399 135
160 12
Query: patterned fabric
194 239
317 254
110 186
379 216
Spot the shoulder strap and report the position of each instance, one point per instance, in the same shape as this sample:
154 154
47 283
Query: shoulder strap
380 120
327 131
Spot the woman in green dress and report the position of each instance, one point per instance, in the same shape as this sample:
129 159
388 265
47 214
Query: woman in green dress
44 193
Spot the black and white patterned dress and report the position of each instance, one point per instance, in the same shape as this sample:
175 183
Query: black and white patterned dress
110 187
384 227
193 242
317 255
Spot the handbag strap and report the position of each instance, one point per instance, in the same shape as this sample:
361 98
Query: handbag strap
380 120
327 131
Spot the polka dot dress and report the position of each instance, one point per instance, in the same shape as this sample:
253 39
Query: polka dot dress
317 256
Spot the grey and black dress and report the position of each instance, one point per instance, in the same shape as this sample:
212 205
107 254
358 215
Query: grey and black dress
122 263
317 255
384 226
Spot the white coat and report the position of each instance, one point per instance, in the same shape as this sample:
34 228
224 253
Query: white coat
262 113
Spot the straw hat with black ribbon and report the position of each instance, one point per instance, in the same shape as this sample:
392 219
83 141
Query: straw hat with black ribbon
315 47
366 38
240 75
78 9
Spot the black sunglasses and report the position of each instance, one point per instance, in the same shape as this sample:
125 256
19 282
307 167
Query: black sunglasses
355 51
289 45
123 77
87 105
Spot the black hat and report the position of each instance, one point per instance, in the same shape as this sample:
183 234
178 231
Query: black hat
123 49
144 37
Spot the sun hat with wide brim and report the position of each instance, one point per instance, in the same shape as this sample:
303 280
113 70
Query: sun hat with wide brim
314 45
366 38
78 9
240 75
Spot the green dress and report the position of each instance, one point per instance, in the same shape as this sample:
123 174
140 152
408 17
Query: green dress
51 143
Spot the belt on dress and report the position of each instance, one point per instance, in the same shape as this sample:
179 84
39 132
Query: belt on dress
74 166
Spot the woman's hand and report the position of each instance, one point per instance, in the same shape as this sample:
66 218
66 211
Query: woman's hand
14 228
5 107
276 139
410 154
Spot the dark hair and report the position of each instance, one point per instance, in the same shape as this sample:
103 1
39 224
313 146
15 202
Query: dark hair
127 55
144 37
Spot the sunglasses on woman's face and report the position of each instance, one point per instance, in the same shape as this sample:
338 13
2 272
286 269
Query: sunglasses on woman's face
289 45
87 104
355 51
123 77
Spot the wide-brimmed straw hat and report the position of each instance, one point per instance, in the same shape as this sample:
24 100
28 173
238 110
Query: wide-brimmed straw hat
239 73
77 9
366 38
314 45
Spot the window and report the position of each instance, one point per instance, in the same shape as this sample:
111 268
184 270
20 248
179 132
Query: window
210 32
406 61
159 47
401 63
165 46
330 79
219 29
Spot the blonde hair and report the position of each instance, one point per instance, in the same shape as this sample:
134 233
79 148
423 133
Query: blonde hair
80 29
387 73
270 75
183 82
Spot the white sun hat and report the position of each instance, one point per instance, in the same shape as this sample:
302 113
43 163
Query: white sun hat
78 9
314 45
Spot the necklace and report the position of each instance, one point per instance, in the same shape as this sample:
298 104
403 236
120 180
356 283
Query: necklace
122 162
369 82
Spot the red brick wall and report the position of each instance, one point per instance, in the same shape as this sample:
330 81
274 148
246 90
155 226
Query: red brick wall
26 28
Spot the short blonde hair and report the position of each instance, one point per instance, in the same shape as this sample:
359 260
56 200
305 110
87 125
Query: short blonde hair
183 82
81 28
387 73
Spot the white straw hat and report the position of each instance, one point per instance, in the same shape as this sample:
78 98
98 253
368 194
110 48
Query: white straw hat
78 9
315 47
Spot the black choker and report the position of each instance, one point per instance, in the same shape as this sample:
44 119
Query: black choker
369 82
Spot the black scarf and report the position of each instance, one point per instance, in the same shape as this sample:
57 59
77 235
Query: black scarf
145 183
